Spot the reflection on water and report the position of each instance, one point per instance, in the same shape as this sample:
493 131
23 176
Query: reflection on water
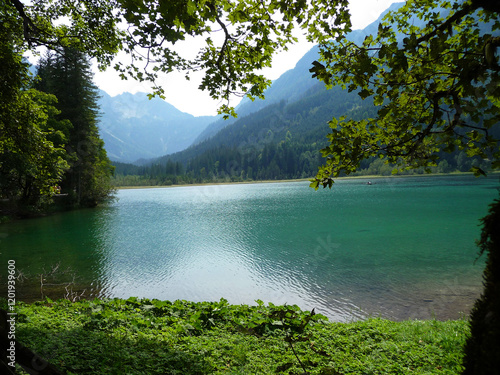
399 248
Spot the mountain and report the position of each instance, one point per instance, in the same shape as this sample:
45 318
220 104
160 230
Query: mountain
276 138
288 133
295 103
134 127
292 85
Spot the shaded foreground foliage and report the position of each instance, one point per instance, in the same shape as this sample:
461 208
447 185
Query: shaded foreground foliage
157 337
483 346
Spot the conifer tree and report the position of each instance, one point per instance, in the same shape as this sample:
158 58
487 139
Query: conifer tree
67 75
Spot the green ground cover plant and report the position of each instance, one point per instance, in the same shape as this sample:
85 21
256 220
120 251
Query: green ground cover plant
141 336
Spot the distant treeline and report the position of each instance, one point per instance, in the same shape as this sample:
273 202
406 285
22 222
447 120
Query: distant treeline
275 161
285 160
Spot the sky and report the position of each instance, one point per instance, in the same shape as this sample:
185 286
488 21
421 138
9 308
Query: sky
186 96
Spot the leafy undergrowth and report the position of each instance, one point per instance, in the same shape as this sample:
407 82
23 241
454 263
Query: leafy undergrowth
159 337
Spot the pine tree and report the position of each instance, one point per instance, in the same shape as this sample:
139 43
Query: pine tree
67 75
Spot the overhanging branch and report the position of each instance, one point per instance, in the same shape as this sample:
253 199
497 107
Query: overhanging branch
446 25
29 29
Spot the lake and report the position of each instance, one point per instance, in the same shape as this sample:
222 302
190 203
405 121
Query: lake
399 248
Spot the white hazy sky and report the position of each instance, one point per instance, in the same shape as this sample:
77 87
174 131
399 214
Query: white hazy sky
185 96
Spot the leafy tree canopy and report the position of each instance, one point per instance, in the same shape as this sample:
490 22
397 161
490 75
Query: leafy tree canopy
436 86
31 156
239 36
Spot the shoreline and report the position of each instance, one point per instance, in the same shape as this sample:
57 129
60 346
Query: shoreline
423 305
299 180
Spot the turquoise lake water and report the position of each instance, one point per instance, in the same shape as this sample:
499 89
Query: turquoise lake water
399 248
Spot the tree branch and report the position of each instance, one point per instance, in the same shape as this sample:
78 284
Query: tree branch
28 27
224 45
490 53
466 9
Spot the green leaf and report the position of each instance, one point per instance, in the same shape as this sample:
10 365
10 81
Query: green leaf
365 93
314 184
478 171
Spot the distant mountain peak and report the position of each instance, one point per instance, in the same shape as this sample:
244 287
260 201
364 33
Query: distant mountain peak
134 127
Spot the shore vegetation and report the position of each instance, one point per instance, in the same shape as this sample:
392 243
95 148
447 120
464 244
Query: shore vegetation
141 336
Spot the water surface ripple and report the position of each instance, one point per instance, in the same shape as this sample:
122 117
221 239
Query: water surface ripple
400 248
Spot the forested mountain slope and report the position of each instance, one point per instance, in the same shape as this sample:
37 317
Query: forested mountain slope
134 127
290 87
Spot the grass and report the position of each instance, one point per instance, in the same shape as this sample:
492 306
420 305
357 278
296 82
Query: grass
159 337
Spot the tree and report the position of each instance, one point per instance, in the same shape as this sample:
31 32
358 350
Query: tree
31 164
239 36
31 161
482 347
433 71
67 75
